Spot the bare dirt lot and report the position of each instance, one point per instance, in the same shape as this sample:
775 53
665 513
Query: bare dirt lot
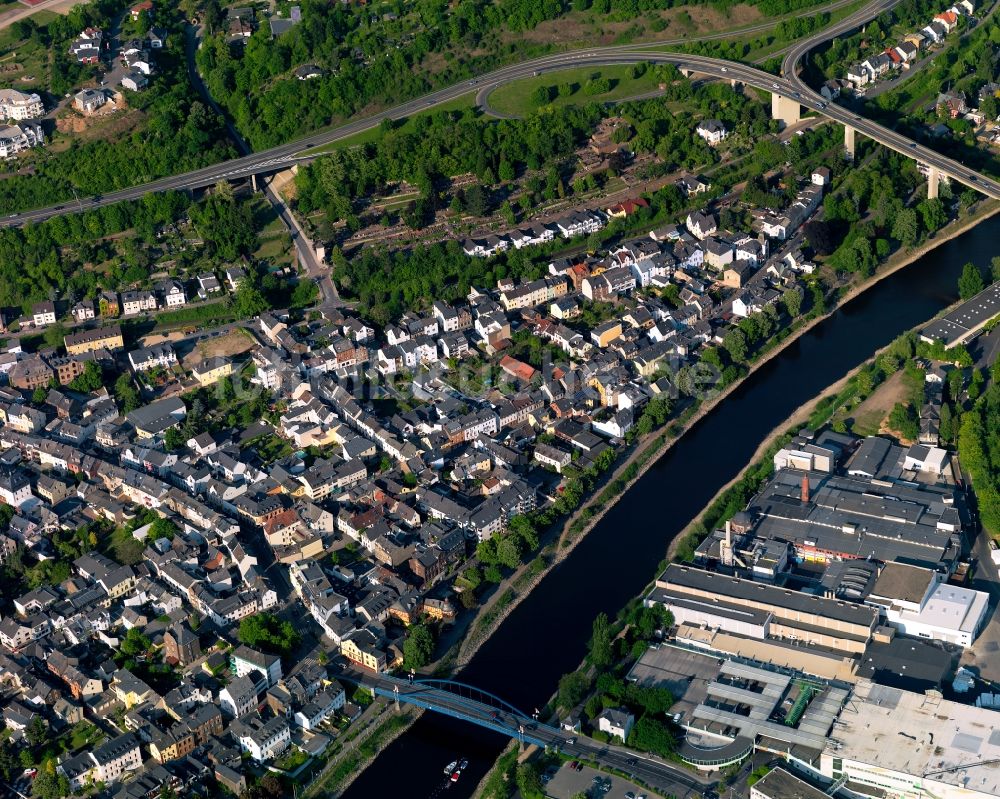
688 21
230 344
870 415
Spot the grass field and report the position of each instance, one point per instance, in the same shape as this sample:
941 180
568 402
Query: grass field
518 98
458 104
23 63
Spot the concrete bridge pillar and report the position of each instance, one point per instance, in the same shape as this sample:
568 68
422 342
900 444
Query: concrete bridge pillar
734 83
253 182
685 72
933 177
849 141
784 109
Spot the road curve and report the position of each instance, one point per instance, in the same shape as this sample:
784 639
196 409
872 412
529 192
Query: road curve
790 86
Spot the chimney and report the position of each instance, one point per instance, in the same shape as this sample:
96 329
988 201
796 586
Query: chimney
726 547
805 489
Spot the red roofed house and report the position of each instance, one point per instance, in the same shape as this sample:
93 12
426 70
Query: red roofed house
145 5
627 208
949 19
518 369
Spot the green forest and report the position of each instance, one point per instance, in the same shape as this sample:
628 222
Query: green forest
37 261
979 448
539 149
377 62
175 131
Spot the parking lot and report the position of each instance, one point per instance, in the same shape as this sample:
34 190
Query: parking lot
685 674
568 782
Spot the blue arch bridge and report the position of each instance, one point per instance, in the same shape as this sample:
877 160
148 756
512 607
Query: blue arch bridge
476 706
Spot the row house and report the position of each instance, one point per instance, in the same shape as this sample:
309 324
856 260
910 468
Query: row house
137 302
579 223
532 294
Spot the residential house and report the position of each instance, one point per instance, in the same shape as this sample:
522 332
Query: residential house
712 131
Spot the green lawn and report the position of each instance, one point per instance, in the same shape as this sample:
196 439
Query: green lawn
32 59
458 104
518 98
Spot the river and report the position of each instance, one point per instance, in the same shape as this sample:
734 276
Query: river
545 636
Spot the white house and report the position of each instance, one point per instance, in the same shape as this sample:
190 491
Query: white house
262 740
320 708
19 105
712 131
701 224
616 722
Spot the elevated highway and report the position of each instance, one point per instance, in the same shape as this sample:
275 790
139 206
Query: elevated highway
789 94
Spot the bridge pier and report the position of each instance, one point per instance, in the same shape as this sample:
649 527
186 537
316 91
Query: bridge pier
685 72
253 182
849 141
785 109
933 178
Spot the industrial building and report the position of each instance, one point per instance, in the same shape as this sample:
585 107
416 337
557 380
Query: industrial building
890 742
762 610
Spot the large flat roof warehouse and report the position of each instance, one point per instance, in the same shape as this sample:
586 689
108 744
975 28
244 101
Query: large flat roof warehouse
966 320
894 741
781 784
858 517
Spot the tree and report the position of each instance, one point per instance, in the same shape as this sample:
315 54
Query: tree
509 550
529 781
38 395
134 643
970 282
601 642
865 382
126 393
54 335
933 214
572 688
541 95
822 236
995 267
651 735
90 380
735 342
418 647
9 763
37 732
248 301
792 298
266 631
905 227
522 528
174 439
49 784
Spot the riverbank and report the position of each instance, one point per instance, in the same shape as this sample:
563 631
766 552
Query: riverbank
656 449
647 453
384 725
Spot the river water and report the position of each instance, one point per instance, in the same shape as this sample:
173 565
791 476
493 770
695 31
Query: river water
545 636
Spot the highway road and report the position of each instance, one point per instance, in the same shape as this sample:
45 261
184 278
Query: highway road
666 777
790 86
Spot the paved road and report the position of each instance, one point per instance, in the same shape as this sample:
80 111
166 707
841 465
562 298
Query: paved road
791 86
655 772
790 70
8 18
315 270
